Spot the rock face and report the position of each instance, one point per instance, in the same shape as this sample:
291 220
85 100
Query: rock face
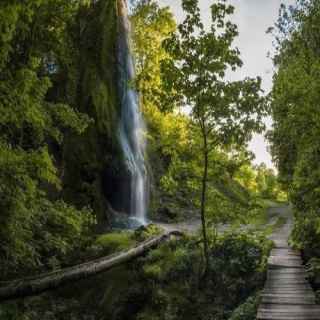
93 168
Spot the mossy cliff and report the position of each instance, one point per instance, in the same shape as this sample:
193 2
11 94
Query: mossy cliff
93 167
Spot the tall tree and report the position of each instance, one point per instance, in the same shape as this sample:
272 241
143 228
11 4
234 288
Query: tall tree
151 26
225 112
295 109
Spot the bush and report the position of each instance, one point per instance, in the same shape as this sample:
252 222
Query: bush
171 277
145 232
113 242
237 267
306 233
55 234
247 310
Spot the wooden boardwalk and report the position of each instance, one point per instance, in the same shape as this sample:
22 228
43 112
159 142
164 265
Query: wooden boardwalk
287 294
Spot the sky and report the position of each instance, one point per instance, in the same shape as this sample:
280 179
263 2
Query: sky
253 18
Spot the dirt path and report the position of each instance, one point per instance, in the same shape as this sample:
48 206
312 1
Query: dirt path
193 225
189 226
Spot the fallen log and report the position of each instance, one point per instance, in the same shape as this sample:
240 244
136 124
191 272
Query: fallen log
48 281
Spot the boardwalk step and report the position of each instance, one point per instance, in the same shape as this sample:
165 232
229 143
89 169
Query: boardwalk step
288 277
285 251
277 274
284 261
286 282
288 293
283 264
299 286
288 301
290 311
277 316
291 308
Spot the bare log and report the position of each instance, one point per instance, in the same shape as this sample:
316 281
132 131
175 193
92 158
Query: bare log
48 281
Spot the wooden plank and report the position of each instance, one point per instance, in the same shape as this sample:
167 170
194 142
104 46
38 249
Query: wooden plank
287 271
278 291
292 312
285 251
299 286
287 300
282 264
287 277
291 308
279 316
284 261
280 281
297 293
289 258
300 275
287 297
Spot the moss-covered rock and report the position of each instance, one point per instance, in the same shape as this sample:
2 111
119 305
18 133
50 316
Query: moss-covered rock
93 170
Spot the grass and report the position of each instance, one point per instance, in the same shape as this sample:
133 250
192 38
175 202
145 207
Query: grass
114 242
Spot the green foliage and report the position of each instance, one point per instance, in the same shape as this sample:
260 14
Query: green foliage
295 109
145 232
151 26
44 308
74 230
164 284
261 181
314 268
247 310
226 112
306 233
222 112
114 242
174 142
172 274
254 248
37 230
93 162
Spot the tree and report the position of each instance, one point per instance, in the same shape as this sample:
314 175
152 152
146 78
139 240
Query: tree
151 26
267 184
295 110
224 112
31 125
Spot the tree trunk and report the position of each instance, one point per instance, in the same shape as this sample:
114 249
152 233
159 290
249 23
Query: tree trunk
35 285
203 207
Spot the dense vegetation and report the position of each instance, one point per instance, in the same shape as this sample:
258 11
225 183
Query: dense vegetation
62 170
164 285
295 109
34 122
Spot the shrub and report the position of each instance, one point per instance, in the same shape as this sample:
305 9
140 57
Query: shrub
248 310
114 242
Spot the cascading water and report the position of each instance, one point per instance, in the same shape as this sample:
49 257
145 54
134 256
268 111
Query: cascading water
132 126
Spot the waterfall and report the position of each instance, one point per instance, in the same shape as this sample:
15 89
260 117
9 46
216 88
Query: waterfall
132 126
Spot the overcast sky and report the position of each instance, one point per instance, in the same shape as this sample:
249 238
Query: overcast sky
253 18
